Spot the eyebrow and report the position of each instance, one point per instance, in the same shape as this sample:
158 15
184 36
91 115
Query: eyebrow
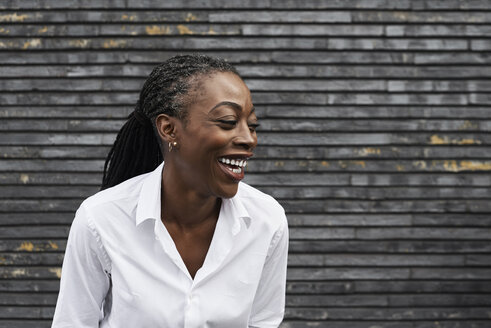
235 106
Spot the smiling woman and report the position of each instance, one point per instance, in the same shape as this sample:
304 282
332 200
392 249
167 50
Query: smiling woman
185 244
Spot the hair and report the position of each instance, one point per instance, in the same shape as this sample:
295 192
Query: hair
168 89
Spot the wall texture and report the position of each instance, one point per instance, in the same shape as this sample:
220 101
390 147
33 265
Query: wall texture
375 137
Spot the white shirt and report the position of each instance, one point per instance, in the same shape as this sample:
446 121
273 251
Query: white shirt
122 268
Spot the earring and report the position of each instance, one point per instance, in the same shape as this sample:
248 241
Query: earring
172 145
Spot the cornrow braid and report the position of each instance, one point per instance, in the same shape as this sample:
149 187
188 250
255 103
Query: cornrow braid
137 148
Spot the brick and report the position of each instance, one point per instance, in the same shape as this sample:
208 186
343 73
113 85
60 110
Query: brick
27 299
420 17
385 206
312 30
26 312
469 220
351 4
76 111
347 274
30 286
36 245
107 16
67 178
19 259
361 193
48 192
38 205
314 85
389 246
293 288
436 179
441 300
450 5
52 165
299 179
280 17
480 45
65 125
433 30
423 233
316 233
349 260
353 112
36 218
22 273
349 324
478 260
59 152
48 231
421 286
455 58
437 86
400 44
26 323
130 56
338 300
348 220
399 314
479 99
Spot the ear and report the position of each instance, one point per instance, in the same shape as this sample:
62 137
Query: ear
167 127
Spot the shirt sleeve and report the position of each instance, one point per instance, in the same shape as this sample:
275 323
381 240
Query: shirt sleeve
85 277
269 302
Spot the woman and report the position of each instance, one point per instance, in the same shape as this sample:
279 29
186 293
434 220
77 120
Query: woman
185 244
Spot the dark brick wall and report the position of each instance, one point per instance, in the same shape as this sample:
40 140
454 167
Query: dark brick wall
375 137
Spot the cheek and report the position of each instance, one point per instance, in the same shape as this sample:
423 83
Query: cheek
218 140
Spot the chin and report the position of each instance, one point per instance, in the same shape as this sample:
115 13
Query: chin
228 192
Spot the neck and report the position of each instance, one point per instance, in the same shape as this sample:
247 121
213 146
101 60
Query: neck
183 205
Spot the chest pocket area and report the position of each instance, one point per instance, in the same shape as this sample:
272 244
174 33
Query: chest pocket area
251 271
125 308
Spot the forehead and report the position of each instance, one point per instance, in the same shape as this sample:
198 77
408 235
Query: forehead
212 89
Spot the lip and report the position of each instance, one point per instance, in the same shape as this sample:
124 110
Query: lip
238 155
236 177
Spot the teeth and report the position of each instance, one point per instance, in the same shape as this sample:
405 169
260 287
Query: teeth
237 170
237 162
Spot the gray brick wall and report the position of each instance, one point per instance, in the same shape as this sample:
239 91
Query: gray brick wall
375 137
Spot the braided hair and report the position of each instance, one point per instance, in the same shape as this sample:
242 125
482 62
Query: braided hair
137 148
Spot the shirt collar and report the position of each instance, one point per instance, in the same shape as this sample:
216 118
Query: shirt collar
237 212
148 206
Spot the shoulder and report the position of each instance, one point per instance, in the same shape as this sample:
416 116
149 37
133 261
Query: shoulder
119 193
118 201
261 205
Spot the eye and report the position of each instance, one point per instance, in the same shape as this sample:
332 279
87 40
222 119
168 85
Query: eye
228 123
253 126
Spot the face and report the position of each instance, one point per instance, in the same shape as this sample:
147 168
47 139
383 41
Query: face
218 137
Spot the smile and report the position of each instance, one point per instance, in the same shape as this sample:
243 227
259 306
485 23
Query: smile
239 164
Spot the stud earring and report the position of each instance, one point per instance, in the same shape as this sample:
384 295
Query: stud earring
172 145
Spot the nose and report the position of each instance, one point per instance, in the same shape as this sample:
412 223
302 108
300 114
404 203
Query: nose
245 138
